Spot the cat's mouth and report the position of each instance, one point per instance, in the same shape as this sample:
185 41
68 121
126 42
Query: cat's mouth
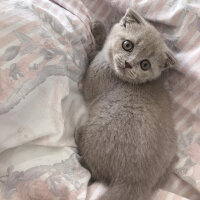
126 65
123 70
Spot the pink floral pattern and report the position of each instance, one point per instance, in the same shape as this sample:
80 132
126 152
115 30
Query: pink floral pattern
65 180
36 49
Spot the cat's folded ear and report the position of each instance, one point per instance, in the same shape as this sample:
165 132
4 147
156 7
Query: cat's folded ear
170 60
131 17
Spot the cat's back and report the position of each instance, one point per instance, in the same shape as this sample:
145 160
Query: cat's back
131 110
130 118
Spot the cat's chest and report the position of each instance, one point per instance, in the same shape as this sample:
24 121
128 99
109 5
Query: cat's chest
128 94
106 80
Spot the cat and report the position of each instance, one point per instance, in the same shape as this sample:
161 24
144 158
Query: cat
128 142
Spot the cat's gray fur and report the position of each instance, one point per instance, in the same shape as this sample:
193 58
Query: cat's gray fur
128 142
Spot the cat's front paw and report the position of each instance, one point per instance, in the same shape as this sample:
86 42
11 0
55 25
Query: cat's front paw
77 135
99 33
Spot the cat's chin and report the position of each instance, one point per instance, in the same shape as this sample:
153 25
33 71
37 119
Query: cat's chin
122 75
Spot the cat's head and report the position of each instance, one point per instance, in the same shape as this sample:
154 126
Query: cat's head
136 51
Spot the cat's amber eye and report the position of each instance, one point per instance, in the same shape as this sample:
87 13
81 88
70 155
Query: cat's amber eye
145 65
127 45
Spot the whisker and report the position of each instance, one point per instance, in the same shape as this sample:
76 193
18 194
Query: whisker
132 74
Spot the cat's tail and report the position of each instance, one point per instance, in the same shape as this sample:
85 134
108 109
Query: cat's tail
126 192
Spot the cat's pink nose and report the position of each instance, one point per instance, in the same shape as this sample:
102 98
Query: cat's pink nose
127 65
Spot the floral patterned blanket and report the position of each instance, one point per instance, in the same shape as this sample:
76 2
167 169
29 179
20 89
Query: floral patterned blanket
44 50
43 54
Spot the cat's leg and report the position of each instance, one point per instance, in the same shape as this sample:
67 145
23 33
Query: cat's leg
99 33
163 179
79 133
78 138
76 135
127 192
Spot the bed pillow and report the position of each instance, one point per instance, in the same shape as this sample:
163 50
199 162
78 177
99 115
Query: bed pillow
44 52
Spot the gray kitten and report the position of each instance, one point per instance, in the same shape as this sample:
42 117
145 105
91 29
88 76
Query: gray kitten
128 142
